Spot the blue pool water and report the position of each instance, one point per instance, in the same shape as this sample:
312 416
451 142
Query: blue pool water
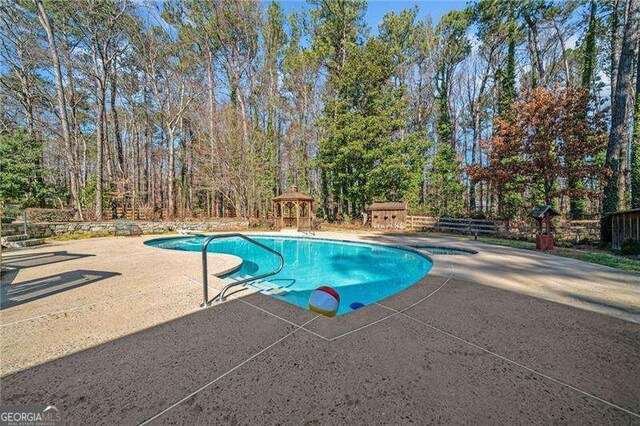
361 273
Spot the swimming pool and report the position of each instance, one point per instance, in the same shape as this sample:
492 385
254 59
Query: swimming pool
361 273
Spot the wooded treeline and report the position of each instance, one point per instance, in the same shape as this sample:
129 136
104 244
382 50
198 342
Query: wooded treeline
212 107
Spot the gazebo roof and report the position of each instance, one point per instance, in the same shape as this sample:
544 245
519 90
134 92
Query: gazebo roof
624 212
293 195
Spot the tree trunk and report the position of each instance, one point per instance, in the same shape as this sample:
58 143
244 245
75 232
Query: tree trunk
635 144
565 57
474 149
100 149
116 123
535 41
578 203
618 138
171 172
62 108
615 45
212 116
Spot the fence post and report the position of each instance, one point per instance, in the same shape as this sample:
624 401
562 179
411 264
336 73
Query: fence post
24 221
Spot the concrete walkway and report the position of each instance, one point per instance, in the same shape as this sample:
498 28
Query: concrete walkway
468 344
68 296
559 279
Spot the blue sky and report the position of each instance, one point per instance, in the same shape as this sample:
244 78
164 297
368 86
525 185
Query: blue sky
376 9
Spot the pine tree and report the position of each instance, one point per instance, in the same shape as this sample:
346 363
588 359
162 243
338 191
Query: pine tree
578 204
618 137
445 177
20 169
360 136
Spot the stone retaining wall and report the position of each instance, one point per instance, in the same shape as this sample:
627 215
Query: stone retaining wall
42 230
48 215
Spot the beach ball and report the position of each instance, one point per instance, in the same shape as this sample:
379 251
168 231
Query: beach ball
324 300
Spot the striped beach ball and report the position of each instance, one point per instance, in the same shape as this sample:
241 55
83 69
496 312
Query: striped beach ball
324 300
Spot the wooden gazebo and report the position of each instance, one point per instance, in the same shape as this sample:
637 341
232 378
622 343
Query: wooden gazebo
293 209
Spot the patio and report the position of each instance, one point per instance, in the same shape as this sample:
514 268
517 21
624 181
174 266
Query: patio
502 336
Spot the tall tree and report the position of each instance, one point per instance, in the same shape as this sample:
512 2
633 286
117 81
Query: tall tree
355 155
20 171
635 145
45 21
445 177
577 204
301 105
209 107
338 27
619 135
540 143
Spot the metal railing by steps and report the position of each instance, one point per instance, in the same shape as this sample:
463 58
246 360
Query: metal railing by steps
205 276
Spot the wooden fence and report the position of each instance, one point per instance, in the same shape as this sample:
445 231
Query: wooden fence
460 226
579 231
569 231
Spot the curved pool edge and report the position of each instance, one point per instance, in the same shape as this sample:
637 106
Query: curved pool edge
403 279
455 250
223 273
226 272
408 248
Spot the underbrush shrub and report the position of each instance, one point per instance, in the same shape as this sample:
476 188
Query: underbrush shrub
630 247
49 215
7 219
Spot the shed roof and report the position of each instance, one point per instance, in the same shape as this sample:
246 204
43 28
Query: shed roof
540 211
625 212
388 206
293 195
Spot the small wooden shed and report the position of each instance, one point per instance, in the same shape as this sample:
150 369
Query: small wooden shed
387 215
624 224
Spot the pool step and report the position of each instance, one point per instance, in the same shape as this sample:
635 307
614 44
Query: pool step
268 288
262 286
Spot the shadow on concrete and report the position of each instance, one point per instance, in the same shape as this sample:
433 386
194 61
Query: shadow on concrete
30 260
128 379
397 371
12 264
630 310
28 291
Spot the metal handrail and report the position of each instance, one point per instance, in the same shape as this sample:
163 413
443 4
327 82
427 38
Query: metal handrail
205 277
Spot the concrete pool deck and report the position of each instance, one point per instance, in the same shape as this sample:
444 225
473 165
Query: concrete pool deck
501 336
